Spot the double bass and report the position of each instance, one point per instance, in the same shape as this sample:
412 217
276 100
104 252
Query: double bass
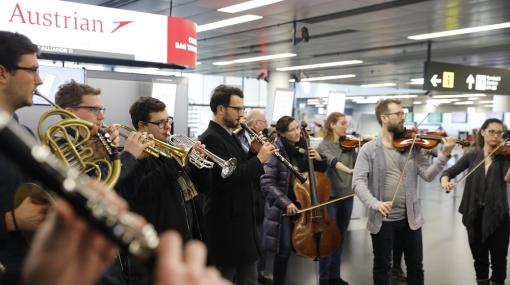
315 234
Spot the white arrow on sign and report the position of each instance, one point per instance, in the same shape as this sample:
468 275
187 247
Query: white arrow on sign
470 81
434 80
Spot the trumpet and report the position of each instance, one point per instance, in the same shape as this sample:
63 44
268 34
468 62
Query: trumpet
160 148
227 166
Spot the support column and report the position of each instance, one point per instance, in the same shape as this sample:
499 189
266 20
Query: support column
501 103
276 80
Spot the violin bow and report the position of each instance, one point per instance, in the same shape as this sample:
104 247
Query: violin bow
480 163
321 204
407 160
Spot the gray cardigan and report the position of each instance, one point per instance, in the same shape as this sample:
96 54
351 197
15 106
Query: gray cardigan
341 182
368 181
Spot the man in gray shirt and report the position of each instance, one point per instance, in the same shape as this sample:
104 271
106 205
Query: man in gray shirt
393 206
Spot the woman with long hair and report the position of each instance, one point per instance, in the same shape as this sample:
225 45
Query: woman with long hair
277 184
484 205
341 163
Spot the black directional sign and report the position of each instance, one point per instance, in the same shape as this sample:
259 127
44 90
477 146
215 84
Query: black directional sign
465 78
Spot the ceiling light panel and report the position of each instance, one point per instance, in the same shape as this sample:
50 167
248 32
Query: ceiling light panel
460 31
332 77
227 22
320 65
388 84
247 5
257 58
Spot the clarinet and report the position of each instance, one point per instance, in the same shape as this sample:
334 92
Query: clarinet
121 227
302 178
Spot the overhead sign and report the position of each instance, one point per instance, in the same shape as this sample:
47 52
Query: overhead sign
74 29
465 78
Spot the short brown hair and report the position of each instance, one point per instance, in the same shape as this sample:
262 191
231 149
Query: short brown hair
382 108
71 94
221 96
332 119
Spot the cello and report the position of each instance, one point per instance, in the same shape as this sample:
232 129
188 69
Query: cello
315 234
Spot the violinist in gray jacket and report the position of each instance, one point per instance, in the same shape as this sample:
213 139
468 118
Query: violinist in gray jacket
376 179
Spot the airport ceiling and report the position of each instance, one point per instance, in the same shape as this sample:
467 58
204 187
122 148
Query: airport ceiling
374 31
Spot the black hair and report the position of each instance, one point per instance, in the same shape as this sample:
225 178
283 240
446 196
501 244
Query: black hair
221 96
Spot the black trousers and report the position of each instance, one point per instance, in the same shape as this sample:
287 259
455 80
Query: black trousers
495 246
382 244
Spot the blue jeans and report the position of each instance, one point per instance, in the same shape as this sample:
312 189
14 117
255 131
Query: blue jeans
382 244
340 212
281 259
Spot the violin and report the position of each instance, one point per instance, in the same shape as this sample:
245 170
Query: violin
428 140
349 142
315 234
504 149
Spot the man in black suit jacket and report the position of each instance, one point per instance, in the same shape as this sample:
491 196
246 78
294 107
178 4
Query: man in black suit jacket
230 220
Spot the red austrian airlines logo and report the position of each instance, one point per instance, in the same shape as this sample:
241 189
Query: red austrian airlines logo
57 19
120 25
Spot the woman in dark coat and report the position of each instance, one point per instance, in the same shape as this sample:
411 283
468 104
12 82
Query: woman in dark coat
484 205
277 184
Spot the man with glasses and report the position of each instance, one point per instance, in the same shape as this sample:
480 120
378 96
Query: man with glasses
18 80
229 210
161 191
391 195
85 102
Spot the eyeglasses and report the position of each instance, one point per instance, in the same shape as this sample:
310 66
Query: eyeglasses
163 123
399 114
33 70
238 109
495 133
94 109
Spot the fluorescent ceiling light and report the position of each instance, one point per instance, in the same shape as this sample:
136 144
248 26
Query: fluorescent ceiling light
198 63
332 77
292 80
464 103
227 22
459 96
486 102
418 102
416 81
472 98
147 70
489 105
257 58
381 97
247 5
460 31
440 101
319 65
379 85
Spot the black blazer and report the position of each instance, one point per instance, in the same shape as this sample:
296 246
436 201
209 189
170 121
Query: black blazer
229 211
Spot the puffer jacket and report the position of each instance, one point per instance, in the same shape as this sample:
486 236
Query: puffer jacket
275 186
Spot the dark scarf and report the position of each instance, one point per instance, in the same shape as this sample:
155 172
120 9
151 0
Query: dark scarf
485 188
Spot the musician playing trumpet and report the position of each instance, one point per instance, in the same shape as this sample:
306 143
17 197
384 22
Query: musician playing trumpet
161 190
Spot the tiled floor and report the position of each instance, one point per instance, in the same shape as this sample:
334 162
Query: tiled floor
447 258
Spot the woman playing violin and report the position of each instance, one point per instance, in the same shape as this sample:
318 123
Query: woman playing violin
484 205
339 172
277 185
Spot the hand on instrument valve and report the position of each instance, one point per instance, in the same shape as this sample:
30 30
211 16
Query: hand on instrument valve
291 209
200 148
385 208
137 142
447 185
113 135
449 144
29 215
314 154
265 152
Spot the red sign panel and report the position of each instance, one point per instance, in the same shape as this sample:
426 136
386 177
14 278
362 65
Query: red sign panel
182 42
